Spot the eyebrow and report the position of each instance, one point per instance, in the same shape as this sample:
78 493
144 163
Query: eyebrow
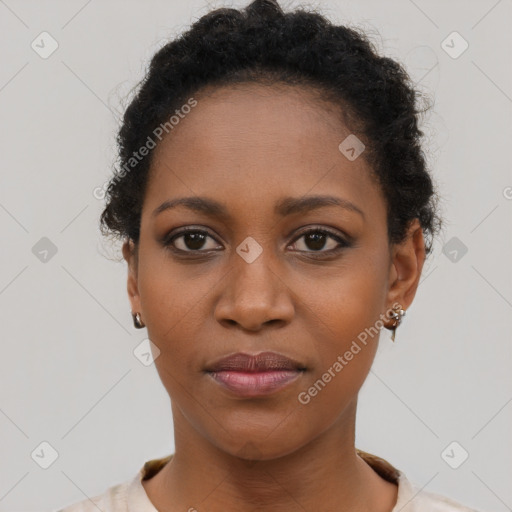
286 206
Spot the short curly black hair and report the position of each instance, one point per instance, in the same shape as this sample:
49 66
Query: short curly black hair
261 43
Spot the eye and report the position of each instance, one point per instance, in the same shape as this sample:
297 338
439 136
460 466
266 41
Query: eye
191 240
194 240
314 240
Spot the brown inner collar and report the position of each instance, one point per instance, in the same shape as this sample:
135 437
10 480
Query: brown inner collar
382 467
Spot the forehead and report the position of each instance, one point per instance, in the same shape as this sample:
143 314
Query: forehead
253 142
273 116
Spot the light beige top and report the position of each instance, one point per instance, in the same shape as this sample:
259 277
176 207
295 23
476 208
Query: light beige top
130 496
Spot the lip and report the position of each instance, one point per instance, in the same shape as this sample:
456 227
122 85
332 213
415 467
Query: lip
261 362
261 374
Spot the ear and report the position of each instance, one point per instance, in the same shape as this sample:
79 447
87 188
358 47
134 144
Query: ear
407 259
130 254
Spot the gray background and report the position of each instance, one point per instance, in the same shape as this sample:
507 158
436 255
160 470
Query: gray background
68 373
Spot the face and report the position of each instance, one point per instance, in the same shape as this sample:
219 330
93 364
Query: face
286 251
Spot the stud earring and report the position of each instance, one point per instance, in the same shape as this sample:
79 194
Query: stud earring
137 321
396 316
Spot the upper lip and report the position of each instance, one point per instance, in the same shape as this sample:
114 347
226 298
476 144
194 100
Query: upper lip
264 361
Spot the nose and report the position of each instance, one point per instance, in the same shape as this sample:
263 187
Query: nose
254 295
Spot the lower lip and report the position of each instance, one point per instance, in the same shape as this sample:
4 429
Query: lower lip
250 384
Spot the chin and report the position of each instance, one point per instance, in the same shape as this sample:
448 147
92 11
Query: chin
260 443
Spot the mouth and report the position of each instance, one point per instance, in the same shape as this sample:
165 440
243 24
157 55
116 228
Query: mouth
255 375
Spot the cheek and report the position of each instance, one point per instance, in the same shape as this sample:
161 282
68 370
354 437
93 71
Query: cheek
175 326
344 322
173 309
345 301
345 346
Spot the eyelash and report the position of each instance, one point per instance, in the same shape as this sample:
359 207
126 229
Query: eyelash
343 244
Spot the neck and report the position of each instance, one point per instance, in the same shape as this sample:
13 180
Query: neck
325 474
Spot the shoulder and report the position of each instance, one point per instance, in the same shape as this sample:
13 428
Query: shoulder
114 499
128 496
412 498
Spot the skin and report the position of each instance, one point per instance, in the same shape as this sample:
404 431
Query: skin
249 146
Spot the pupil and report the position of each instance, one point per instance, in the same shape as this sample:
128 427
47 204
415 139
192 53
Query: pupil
317 239
194 240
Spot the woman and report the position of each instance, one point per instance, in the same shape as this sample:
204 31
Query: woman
276 213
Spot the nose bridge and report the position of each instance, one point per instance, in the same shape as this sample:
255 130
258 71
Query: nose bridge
254 279
253 293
